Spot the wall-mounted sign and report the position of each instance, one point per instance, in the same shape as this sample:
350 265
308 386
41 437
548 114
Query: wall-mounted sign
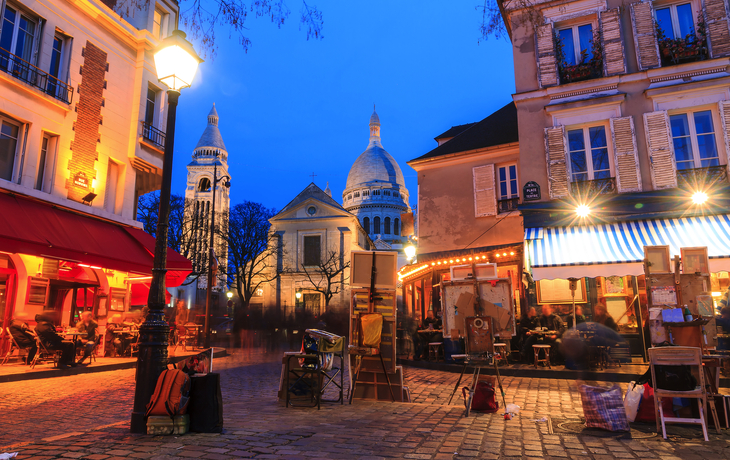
81 180
531 191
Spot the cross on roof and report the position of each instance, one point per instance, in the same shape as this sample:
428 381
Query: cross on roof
313 176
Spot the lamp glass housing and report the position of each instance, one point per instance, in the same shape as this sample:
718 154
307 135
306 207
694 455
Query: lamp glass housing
410 251
176 61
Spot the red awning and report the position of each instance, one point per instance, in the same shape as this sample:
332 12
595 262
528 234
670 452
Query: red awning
140 293
178 267
33 227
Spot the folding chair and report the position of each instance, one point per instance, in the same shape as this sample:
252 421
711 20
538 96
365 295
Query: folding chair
43 353
13 346
370 330
184 335
680 356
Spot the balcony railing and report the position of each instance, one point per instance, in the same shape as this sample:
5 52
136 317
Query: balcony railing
699 177
32 75
593 187
508 205
153 135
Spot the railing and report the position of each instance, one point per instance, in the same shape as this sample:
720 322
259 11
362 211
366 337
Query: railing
698 177
593 187
510 204
32 75
154 135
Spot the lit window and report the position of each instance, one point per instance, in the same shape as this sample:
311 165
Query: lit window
576 41
508 182
9 133
693 135
46 163
18 33
588 149
676 21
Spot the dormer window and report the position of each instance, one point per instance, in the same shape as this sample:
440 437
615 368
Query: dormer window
376 192
357 194
366 193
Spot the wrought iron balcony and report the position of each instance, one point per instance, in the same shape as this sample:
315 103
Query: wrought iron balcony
153 135
508 205
700 177
32 75
586 188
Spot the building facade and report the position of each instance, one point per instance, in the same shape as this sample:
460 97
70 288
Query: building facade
468 193
81 112
624 114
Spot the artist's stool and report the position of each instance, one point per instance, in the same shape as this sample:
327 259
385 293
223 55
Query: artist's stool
434 348
546 359
500 352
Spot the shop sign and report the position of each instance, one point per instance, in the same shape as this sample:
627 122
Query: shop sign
531 191
80 180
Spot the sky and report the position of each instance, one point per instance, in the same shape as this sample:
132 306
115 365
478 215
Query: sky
292 107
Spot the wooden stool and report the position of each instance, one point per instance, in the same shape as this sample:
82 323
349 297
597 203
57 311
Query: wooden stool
546 359
433 350
500 352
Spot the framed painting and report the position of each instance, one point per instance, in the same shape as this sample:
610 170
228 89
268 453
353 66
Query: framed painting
695 260
558 291
657 257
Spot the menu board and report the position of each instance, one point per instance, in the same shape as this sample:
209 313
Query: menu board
558 291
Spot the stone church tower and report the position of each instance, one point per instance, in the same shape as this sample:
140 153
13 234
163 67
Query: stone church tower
209 155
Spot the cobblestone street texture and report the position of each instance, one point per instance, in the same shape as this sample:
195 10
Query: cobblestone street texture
87 416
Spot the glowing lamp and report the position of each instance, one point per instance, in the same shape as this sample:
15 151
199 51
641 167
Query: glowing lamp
298 295
582 210
229 294
176 61
410 251
699 198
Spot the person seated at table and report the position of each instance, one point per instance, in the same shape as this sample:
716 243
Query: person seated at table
24 337
113 340
46 332
579 318
429 323
88 326
528 322
551 322
601 316
724 322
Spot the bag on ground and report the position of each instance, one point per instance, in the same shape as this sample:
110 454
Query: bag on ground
646 412
172 394
603 408
632 400
206 404
483 400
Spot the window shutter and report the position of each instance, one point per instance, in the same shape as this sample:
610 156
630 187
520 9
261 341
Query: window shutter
628 178
724 109
485 198
614 62
661 150
718 30
647 47
547 66
557 167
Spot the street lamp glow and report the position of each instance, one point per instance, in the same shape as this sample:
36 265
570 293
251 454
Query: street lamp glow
298 295
176 61
229 294
582 210
699 198
410 251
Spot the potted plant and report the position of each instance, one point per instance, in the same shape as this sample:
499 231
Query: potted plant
692 47
584 69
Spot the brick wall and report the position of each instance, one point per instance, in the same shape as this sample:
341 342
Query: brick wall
86 129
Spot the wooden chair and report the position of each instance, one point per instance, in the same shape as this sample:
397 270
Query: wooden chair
368 344
680 356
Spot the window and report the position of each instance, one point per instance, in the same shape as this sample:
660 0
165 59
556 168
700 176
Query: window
112 182
312 303
57 68
311 210
157 24
693 135
386 226
396 225
349 197
508 182
576 41
376 192
376 225
366 225
366 193
18 33
387 193
9 133
204 185
588 150
46 163
312 250
676 21
149 113
395 194
357 194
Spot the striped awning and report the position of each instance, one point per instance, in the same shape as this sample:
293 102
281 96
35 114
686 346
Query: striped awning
618 248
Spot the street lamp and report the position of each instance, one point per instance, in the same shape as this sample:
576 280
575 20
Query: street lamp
410 251
176 63
211 252
229 294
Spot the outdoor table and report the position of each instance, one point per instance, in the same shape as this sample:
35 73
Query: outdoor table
73 334
424 331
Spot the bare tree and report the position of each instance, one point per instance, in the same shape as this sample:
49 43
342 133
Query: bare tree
495 17
328 276
253 251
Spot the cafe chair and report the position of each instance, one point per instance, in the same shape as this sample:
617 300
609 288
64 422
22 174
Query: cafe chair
43 353
679 356
500 353
435 349
369 332
185 336
13 346
546 355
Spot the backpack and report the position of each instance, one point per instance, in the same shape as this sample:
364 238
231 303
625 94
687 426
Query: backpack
172 394
483 400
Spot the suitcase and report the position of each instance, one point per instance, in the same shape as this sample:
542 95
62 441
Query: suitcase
161 424
206 404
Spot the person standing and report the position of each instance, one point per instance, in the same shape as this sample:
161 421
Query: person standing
88 326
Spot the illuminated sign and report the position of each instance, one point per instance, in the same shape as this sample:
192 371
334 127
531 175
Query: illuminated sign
80 180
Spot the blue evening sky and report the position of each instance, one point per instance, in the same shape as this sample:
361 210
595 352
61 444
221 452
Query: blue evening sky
290 107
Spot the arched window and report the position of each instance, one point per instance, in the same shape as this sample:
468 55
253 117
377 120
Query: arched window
376 225
366 225
204 185
357 194
386 226
396 224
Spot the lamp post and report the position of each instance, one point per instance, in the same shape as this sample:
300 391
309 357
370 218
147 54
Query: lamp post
176 63
211 252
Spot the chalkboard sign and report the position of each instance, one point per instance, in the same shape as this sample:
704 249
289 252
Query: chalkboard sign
531 191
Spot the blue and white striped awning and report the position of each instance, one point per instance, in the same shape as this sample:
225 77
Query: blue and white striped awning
618 249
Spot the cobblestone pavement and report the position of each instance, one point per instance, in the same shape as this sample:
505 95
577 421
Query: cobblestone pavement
87 416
